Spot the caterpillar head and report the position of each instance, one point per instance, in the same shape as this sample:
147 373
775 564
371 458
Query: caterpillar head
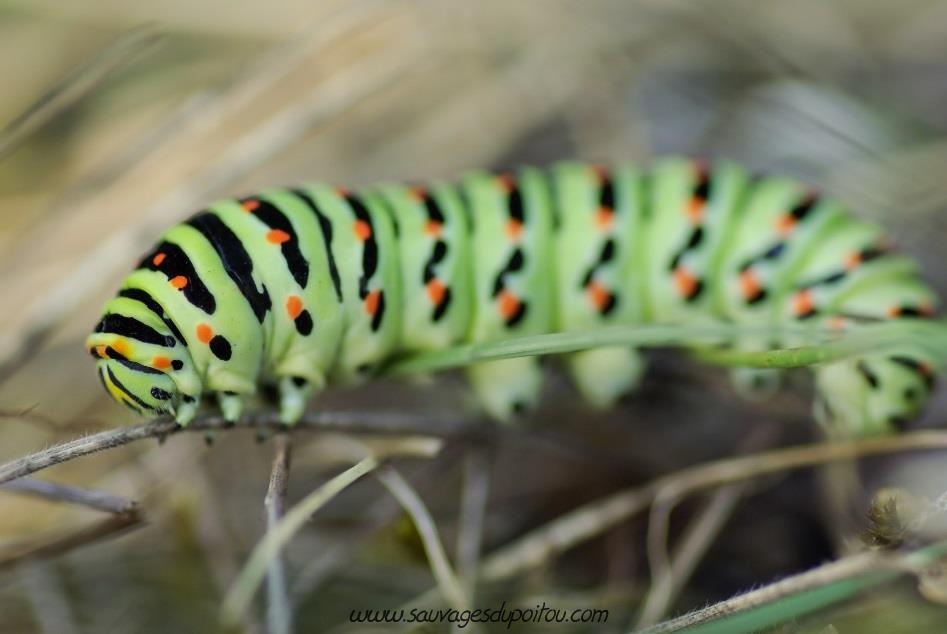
872 395
142 364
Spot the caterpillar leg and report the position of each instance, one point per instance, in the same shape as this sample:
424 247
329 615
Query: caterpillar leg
294 392
186 410
603 375
508 387
231 405
756 384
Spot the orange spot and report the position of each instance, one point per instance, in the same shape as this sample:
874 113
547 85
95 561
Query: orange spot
161 363
600 172
277 236
372 302
436 291
101 351
598 294
927 310
417 194
363 231
121 346
204 333
695 210
785 224
803 303
513 229
250 206
604 218
686 283
158 259
852 260
294 306
925 368
342 191
432 228
178 281
508 304
749 284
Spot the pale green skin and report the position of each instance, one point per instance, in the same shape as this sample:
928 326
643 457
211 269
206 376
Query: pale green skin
647 226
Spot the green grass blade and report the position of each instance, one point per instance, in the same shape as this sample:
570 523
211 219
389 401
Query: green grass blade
802 594
824 345
240 594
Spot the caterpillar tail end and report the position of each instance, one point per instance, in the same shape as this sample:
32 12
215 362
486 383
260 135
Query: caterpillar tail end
508 388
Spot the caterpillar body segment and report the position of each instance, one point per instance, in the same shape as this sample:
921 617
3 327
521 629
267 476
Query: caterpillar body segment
297 288
599 246
513 281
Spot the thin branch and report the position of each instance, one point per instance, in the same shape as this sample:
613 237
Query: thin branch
595 517
668 580
96 500
279 613
82 80
97 531
847 576
238 598
411 502
351 422
667 577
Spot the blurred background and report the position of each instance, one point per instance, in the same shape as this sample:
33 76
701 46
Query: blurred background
119 118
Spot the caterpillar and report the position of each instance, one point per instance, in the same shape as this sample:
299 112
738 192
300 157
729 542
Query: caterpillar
296 288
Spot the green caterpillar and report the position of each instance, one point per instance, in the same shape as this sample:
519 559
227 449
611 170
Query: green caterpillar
299 287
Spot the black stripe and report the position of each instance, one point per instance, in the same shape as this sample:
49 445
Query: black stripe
275 219
441 309
326 226
608 251
131 365
517 260
234 258
160 394
386 204
516 207
142 296
800 211
587 278
610 305
124 390
369 246
606 197
518 316
701 189
132 328
175 263
438 254
433 209
697 236
915 366
377 317
870 377
697 292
